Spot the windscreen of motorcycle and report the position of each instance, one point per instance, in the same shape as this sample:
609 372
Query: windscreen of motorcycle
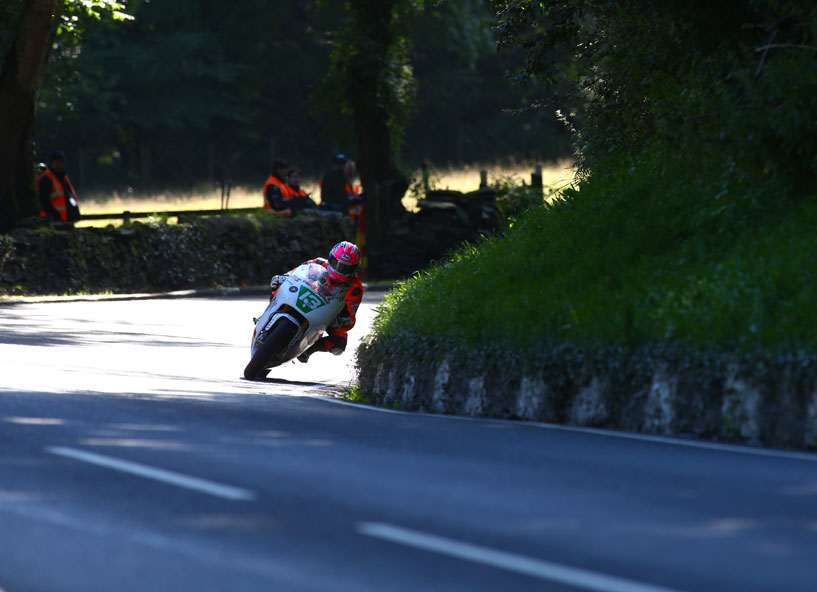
315 282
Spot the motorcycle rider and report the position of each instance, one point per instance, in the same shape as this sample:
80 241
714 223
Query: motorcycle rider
342 264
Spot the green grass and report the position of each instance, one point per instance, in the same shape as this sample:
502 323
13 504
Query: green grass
647 251
355 395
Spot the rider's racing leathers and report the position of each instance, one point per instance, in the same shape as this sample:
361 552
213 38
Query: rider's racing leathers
335 341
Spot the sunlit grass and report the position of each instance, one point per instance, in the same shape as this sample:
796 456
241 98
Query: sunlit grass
201 199
554 174
467 178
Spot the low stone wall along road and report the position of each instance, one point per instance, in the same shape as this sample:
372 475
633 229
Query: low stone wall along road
133 457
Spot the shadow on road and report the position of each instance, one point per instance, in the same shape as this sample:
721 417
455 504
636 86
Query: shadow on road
285 381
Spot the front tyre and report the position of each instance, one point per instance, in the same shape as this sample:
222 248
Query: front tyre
273 344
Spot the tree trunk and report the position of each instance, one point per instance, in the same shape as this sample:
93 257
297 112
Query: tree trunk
377 172
22 77
383 182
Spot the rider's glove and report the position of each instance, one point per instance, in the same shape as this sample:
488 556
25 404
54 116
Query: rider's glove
276 281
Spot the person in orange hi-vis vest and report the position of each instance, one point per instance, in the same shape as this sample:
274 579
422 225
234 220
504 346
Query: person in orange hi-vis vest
352 190
276 193
299 199
357 212
58 199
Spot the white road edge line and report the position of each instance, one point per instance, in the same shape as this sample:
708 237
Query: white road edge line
544 570
201 485
721 447
337 401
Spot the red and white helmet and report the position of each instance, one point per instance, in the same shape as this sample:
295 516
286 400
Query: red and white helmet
344 261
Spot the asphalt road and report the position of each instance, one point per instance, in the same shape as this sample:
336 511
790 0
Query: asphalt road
134 457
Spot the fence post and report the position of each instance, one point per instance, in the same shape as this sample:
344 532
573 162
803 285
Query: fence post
536 178
425 176
483 179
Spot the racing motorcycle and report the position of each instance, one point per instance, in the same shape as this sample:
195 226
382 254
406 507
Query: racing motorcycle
302 307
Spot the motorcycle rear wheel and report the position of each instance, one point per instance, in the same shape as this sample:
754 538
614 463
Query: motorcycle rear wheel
276 340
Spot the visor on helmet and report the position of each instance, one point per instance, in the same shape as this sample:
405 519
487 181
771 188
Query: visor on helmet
341 268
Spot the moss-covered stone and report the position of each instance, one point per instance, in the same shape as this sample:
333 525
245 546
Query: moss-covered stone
763 398
197 253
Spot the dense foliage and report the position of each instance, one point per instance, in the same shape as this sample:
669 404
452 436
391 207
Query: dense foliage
735 82
628 262
30 33
191 91
692 219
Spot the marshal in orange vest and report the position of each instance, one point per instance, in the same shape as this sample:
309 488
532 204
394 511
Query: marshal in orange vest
58 198
286 193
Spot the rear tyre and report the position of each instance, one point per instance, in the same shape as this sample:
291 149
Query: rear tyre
273 345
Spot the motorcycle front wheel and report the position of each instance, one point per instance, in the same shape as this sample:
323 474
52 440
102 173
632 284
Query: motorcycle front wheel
273 344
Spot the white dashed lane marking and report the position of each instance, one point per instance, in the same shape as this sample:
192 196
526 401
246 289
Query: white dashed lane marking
537 568
173 478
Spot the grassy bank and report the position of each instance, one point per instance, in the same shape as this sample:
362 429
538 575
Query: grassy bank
654 250
671 291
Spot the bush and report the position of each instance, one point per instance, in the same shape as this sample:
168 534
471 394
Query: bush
513 198
655 249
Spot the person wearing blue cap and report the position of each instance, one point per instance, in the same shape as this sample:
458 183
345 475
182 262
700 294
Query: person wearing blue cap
333 187
58 199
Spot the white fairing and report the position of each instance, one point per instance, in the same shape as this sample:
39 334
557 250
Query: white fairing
304 294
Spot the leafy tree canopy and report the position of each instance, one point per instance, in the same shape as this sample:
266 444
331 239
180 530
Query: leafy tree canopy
191 88
733 81
28 31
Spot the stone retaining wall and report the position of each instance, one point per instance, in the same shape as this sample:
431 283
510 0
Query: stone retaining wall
197 253
228 250
760 399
